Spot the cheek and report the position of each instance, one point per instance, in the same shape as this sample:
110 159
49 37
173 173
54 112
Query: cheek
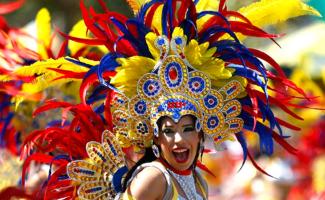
194 140
165 143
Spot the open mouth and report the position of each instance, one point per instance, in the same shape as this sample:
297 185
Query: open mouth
181 155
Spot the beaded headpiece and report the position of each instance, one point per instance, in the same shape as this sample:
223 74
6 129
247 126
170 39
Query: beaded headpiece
174 88
174 58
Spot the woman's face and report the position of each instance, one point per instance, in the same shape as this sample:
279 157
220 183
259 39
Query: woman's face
178 141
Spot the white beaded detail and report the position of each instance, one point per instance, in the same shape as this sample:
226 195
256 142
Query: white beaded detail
187 183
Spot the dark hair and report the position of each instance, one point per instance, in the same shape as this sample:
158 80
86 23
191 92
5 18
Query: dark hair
149 156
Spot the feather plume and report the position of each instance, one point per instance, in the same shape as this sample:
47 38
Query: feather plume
10 6
130 71
136 4
43 25
44 75
267 12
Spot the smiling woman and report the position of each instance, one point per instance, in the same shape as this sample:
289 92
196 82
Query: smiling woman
172 172
169 78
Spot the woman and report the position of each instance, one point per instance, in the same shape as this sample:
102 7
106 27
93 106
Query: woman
172 168
176 74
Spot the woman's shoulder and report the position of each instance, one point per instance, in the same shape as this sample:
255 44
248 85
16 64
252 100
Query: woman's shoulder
149 182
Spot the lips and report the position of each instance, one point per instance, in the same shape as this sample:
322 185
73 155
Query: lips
181 154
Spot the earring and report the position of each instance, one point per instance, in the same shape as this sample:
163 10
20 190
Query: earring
201 149
156 130
155 150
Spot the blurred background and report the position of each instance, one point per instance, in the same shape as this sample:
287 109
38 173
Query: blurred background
301 52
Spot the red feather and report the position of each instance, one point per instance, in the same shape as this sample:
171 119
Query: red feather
16 192
268 59
204 168
6 8
51 104
257 166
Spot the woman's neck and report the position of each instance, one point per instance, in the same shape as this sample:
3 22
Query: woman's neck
168 166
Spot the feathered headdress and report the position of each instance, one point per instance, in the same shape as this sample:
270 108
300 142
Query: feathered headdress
175 57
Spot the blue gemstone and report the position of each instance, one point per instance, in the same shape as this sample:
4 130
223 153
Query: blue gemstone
113 149
230 90
161 41
233 125
178 41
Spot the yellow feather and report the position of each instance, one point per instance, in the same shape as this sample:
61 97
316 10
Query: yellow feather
156 22
178 32
78 30
201 58
130 71
136 4
46 78
203 5
88 61
150 40
270 12
267 12
43 26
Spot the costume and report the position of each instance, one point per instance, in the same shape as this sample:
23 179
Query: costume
173 59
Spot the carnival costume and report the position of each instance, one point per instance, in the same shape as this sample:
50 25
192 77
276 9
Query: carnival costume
174 58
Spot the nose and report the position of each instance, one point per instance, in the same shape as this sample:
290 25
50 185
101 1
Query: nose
178 137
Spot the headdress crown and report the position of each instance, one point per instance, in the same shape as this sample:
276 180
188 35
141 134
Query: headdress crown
174 88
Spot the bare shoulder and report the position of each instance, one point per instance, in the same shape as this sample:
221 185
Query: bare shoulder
149 183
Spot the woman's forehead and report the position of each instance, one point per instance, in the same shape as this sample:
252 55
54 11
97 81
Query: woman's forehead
187 119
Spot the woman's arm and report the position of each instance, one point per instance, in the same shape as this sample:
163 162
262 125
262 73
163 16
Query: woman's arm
149 184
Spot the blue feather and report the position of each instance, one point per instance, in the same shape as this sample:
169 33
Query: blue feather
242 141
268 114
58 157
188 25
77 62
144 9
264 132
127 35
6 123
107 63
95 98
100 109
214 30
164 23
141 41
249 74
218 14
169 5
138 43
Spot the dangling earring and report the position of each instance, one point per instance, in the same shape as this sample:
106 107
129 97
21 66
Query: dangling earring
201 148
155 150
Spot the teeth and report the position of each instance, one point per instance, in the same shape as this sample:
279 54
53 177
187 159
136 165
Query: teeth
180 150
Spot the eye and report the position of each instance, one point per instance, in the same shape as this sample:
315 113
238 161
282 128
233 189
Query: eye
189 129
167 131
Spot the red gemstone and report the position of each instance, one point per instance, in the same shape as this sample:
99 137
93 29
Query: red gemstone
150 87
196 84
173 74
